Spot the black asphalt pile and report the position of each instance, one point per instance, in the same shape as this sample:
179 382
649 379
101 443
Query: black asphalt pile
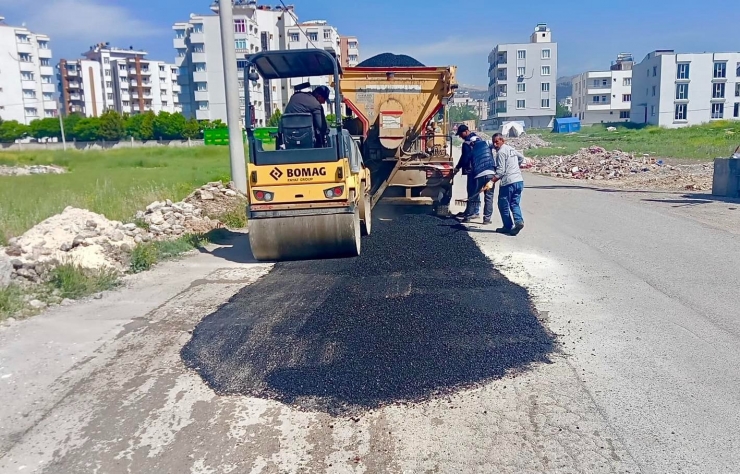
390 60
420 313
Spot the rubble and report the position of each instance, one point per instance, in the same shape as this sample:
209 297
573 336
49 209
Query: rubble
29 170
596 163
527 142
92 241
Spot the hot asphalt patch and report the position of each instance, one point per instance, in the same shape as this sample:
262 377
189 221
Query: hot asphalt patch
421 312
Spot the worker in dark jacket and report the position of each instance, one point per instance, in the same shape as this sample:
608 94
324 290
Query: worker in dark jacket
466 166
311 103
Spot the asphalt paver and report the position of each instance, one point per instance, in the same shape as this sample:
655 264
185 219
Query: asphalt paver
421 313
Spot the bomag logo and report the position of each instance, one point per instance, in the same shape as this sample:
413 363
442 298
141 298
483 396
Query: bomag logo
276 174
305 174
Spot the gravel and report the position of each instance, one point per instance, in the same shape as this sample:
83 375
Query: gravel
390 60
421 313
29 170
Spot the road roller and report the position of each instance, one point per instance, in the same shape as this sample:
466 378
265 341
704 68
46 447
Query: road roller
307 198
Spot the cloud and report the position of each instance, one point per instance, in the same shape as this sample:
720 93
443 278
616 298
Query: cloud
86 21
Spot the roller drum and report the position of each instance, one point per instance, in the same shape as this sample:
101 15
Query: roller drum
305 237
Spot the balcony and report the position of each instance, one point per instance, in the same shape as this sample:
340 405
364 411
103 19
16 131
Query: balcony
75 97
201 96
146 72
197 38
45 53
200 76
25 48
179 43
73 85
27 66
199 57
46 70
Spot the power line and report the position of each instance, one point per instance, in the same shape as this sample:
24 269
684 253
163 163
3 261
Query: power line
297 23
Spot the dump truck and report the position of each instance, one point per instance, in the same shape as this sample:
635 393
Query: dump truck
310 200
391 109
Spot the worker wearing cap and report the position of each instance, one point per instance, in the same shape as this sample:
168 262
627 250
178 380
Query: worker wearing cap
508 172
312 103
478 161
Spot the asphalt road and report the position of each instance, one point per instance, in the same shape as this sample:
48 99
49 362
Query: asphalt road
604 338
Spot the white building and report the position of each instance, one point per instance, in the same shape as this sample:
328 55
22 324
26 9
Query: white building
479 106
256 28
604 96
117 79
522 81
26 75
673 90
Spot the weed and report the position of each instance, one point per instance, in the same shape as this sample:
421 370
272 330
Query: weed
11 301
142 224
74 281
146 255
234 218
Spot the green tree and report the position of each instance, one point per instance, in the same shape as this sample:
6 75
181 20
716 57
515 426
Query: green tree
192 129
12 130
460 113
111 126
275 119
70 122
562 111
169 126
45 128
87 129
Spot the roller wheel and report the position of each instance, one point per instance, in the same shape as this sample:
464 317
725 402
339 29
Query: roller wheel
366 213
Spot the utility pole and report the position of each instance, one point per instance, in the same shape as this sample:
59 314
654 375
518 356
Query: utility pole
231 80
61 127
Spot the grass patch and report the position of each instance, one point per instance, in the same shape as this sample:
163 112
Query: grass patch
234 218
146 255
115 183
75 282
700 142
11 301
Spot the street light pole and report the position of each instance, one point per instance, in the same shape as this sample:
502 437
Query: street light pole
61 126
231 82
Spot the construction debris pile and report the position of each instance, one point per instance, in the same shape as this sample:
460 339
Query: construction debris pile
92 241
390 60
618 167
29 170
527 142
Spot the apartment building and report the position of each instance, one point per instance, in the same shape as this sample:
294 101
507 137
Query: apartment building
26 75
674 90
479 106
110 78
522 82
349 48
256 28
604 96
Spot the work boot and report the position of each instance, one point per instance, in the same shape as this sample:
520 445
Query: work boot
517 228
503 230
487 222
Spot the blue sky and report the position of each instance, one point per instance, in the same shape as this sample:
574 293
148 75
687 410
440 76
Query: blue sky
589 33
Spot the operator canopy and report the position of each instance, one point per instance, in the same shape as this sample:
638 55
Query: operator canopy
296 63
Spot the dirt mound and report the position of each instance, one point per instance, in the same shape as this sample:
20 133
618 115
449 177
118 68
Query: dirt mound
390 60
29 170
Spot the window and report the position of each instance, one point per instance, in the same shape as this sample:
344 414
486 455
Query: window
22 38
50 113
737 89
545 103
655 89
165 103
29 93
353 45
48 96
520 71
682 91
327 36
124 80
313 36
32 112
545 87
521 54
521 87
545 54
198 28
681 112
718 90
737 71
179 34
24 57
107 72
520 104
203 105
627 81
720 70
240 44
597 83
109 84
126 103
199 48
46 80
597 99
106 60
626 97
241 63
718 110
652 110
27 76
201 86
240 25
122 67
545 70
200 67
294 37
110 96
655 71
181 52
736 112
353 57
43 45
45 62
624 114
682 73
